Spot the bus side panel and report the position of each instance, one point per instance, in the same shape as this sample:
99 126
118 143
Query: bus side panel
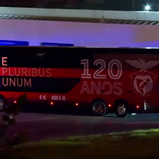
71 75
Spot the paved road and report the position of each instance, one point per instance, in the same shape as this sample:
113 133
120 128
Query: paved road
43 126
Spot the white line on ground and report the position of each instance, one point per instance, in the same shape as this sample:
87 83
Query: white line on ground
46 128
140 123
125 123
21 121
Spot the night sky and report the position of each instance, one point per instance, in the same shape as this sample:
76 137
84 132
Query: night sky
127 5
137 5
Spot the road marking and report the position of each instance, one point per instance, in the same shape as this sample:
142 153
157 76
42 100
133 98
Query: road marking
47 128
21 121
115 122
140 123
131 122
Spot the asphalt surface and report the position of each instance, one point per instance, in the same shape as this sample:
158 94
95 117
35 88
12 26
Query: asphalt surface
44 126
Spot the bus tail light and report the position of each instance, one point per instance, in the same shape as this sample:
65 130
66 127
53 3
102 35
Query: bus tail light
109 105
137 106
51 103
76 104
15 102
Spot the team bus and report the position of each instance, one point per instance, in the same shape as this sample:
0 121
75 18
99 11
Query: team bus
119 80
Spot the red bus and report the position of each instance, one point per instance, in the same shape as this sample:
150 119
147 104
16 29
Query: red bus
119 80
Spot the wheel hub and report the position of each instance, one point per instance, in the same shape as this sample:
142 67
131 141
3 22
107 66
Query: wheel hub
99 108
1 104
121 109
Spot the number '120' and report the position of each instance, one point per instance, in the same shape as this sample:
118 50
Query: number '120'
98 74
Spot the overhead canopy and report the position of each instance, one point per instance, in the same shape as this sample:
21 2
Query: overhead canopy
116 17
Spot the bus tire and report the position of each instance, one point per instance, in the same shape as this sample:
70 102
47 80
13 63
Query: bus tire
121 109
2 103
99 108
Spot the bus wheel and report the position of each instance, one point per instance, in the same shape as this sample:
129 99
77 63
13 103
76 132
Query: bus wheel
99 108
2 103
121 109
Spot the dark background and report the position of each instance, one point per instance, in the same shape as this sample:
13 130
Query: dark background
125 5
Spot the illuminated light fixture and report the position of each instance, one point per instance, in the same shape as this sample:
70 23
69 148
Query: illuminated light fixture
77 104
147 7
137 106
52 103
15 102
109 105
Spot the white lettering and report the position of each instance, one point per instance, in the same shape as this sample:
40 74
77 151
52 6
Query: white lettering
105 90
63 97
40 97
111 69
24 72
17 72
99 88
114 69
48 72
27 83
34 72
54 98
86 73
118 91
16 82
95 87
10 72
44 97
97 73
85 87
4 71
4 61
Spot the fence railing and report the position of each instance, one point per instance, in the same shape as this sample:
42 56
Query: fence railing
124 5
